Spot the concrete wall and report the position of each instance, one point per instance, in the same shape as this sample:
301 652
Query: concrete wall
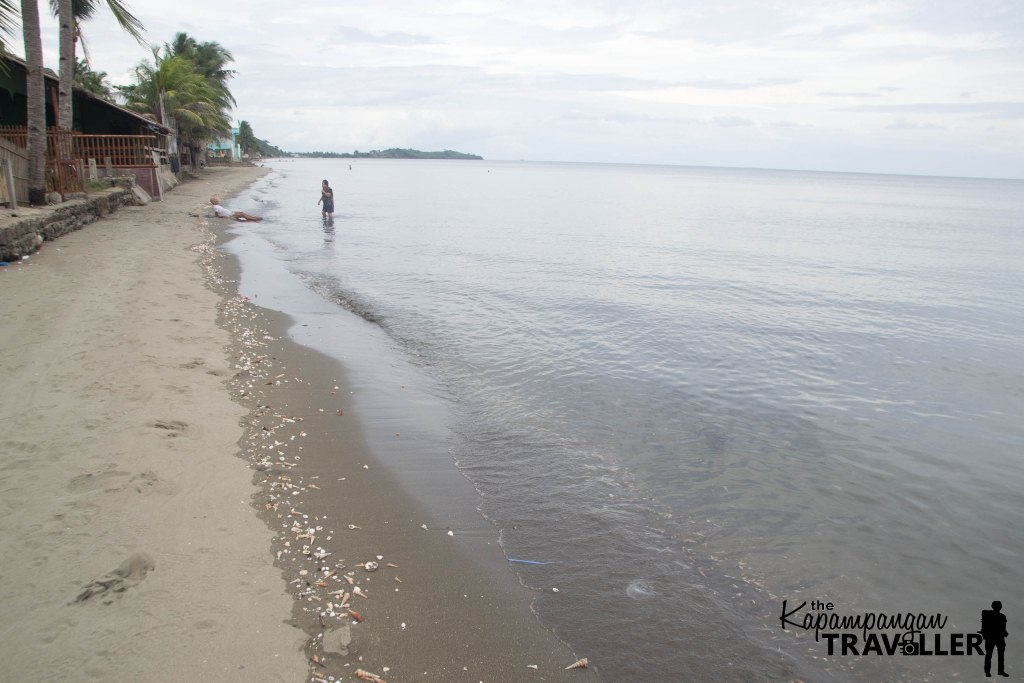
26 236
145 177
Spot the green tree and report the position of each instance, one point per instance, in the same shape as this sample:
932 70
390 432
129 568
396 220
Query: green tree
210 59
8 22
246 140
93 81
172 91
70 15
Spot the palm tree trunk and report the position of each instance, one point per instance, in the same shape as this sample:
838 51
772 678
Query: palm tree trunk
67 62
36 102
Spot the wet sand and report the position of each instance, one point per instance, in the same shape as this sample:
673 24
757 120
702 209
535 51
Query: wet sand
135 377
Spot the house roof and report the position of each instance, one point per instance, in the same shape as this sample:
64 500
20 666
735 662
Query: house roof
50 75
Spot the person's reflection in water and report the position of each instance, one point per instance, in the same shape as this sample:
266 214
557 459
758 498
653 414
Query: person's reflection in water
328 231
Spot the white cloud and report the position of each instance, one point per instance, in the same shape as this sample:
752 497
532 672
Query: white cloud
804 83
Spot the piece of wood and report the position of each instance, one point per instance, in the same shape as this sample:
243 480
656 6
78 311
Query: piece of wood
12 195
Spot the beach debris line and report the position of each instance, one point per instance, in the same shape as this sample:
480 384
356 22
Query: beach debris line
579 664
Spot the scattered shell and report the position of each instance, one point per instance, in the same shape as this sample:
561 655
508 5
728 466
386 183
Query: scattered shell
531 666
367 676
355 615
392 565
578 664
370 566
358 591
353 527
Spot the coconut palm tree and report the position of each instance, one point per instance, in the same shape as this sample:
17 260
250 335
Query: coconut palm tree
246 138
93 81
210 58
171 90
70 15
8 20
36 107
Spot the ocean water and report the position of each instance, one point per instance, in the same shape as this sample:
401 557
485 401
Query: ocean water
694 392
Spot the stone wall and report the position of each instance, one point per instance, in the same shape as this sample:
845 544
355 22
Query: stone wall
26 236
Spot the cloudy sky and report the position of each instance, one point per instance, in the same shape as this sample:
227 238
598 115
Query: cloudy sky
902 86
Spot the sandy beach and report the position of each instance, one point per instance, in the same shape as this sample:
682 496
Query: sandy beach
131 530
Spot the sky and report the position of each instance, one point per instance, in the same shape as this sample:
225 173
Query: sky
904 86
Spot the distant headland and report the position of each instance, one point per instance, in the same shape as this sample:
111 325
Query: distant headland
393 153
265 149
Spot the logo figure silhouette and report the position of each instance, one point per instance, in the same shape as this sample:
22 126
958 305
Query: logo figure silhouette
993 630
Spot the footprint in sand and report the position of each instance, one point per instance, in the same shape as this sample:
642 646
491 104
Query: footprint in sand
112 481
173 428
130 573
108 480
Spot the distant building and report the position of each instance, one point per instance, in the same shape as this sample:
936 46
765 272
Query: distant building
224 150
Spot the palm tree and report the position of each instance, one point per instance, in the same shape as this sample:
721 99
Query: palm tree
36 107
71 14
92 81
171 90
210 58
8 20
246 138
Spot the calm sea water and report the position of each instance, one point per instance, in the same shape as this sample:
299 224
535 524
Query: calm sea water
699 392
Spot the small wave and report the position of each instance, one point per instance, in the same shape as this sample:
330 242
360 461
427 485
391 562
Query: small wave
332 291
640 590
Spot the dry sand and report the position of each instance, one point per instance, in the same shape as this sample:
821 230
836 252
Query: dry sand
118 436
131 547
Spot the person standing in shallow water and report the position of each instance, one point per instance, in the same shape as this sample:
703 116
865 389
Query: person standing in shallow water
327 197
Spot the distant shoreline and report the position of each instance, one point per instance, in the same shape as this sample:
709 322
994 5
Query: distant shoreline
393 153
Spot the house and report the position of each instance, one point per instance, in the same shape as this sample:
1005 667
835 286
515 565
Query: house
224 150
92 114
102 130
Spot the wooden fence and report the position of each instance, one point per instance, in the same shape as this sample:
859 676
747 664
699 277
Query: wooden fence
122 150
13 160
67 152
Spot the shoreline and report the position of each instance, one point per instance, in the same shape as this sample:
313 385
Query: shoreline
451 609
131 547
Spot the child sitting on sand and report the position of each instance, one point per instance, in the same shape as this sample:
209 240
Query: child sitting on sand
220 212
